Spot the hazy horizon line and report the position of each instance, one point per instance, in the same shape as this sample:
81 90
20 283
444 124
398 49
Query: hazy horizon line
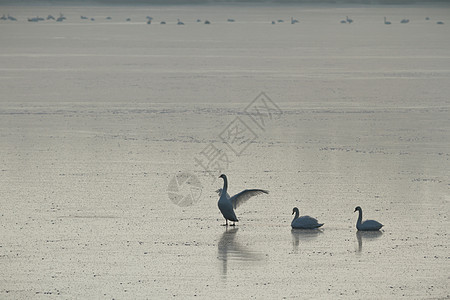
194 2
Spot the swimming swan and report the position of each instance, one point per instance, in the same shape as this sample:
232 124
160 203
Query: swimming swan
367 225
304 222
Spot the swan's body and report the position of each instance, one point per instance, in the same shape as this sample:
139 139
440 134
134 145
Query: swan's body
367 225
304 222
60 18
227 204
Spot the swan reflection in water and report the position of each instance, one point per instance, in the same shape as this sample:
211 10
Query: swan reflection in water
366 235
303 235
231 250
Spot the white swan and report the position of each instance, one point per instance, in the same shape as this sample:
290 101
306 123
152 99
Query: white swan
304 222
367 225
227 204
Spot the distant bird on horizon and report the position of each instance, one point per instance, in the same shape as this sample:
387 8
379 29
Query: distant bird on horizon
293 21
386 22
179 22
350 21
60 18
440 23
35 19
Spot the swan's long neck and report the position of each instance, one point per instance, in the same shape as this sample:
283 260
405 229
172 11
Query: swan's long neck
296 214
225 186
359 217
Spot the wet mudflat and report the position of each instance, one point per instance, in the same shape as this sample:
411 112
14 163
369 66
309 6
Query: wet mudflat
96 123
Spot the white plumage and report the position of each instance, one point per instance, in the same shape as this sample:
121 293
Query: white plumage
367 225
304 222
227 204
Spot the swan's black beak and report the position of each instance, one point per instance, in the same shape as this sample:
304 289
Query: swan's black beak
355 210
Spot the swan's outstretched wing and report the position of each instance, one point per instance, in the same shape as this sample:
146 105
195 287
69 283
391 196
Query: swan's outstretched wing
243 196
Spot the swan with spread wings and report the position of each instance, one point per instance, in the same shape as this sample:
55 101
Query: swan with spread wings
228 204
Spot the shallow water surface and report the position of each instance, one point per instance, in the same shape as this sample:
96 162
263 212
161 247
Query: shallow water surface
102 122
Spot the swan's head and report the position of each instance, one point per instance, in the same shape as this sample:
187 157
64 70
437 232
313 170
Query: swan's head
358 208
294 210
223 176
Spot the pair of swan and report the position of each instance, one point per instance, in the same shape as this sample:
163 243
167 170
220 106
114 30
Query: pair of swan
307 222
227 205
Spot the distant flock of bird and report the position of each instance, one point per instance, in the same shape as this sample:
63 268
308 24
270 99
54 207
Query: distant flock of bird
228 204
61 18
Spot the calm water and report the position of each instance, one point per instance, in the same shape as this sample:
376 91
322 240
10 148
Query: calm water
98 117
